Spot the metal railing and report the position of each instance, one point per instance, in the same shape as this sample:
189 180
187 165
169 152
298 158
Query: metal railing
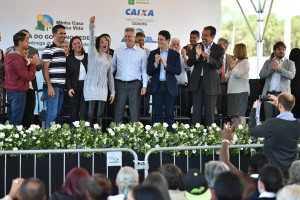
64 152
174 149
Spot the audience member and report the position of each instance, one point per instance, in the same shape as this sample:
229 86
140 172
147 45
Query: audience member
74 187
257 162
33 189
127 178
269 182
289 192
14 192
17 77
222 100
130 63
163 66
174 177
237 77
98 187
145 192
228 187
157 180
294 173
77 63
278 71
182 79
195 186
295 82
54 72
206 57
99 75
280 150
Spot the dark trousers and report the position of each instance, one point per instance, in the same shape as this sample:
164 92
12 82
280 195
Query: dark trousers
131 91
100 107
200 97
296 109
163 101
28 115
78 107
222 101
182 101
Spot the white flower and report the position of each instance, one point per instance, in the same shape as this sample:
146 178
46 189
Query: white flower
194 151
58 126
214 125
87 123
147 146
157 146
147 127
204 130
34 137
2 135
174 125
218 129
10 140
19 128
191 135
240 126
76 124
165 125
96 126
38 142
186 126
131 129
249 141
155 124
197 125
2 127
122 126
8 126
16 135
15 149
111 132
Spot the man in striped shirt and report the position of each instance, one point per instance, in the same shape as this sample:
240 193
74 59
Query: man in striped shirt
54 72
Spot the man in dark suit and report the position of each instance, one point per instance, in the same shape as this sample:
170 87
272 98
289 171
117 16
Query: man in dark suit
163 65
204 84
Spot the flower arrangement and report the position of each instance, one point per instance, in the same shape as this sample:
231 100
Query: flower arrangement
135 136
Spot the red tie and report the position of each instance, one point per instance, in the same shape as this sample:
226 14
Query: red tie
223 73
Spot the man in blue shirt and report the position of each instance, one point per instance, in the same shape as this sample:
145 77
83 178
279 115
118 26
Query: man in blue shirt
130 63
163 65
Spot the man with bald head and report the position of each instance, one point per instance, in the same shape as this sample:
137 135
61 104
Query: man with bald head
281 133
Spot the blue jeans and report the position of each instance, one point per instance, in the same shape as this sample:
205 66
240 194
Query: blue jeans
53 105
17 101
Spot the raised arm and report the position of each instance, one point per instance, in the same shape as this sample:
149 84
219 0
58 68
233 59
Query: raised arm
92 49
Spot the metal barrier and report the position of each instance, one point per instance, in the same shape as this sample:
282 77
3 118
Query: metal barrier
64 152
174 149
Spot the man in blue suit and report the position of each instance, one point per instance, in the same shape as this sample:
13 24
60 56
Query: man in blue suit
163 65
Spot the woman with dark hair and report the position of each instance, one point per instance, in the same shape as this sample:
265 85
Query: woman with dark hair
145 192
77 63
99 75
74 186
157 180
2 89
295 82
98 187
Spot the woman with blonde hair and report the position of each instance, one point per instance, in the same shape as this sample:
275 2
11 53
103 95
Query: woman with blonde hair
99 75
238 90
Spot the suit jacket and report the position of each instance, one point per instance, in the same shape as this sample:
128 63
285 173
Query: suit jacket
287 72
73 69
211 80
173 68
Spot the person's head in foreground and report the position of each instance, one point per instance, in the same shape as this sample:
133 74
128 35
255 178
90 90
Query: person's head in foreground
127 178
173 175
157 180
289 192
145 192
98 187
212 170
33 189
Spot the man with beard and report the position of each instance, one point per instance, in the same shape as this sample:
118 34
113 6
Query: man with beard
278 72
281 133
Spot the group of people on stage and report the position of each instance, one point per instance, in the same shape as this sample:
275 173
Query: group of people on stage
202 73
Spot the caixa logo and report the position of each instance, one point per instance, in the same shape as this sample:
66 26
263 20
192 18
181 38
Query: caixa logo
139 12
148 39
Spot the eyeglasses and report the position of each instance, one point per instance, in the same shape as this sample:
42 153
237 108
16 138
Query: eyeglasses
103 42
